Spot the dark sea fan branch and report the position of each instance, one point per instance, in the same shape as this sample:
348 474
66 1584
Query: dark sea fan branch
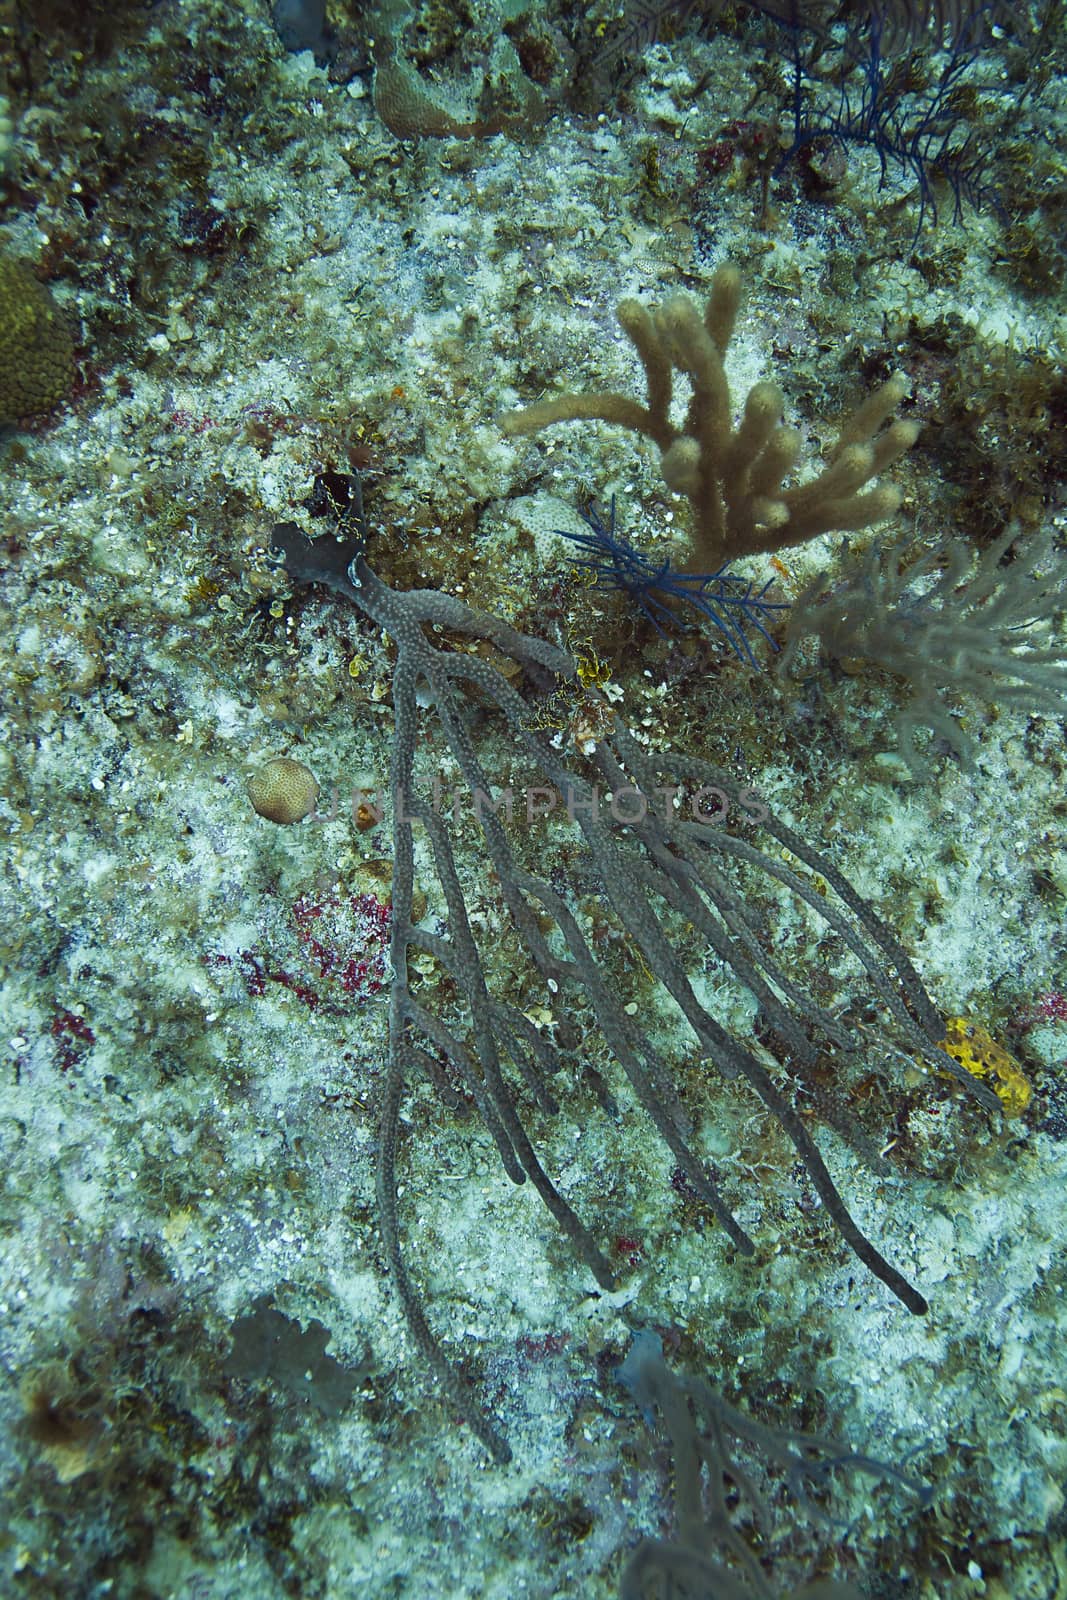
648 873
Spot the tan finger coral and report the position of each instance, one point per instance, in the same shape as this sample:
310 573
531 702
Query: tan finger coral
737 476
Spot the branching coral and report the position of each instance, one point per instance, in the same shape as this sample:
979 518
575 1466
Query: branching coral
732 605
979 628
734 476
656 870
708 1554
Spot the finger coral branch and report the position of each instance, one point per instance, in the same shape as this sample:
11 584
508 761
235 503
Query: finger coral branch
734 475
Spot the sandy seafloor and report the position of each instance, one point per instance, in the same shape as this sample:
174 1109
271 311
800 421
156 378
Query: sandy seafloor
267 284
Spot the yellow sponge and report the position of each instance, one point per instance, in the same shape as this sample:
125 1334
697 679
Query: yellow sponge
976 1049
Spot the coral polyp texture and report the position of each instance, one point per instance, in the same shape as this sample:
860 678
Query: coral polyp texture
283 791
36 351
734 472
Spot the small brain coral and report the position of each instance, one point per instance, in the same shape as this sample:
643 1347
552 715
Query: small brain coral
283 791
36 351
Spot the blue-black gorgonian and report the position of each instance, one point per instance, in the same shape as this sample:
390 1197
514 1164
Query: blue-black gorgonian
658 589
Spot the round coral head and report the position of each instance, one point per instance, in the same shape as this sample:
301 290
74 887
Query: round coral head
283 790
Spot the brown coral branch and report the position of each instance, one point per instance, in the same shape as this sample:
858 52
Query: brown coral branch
734 476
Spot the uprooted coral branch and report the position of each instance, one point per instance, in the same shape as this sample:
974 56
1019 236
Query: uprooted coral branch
734 476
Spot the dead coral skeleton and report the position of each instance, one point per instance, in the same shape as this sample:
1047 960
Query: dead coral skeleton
734 476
